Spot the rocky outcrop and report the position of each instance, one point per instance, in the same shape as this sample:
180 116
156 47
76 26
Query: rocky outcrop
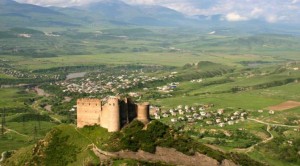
165 155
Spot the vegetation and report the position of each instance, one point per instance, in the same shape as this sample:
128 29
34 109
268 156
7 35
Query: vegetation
230 70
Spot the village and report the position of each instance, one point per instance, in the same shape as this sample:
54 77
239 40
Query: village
201 114
106 82
10 71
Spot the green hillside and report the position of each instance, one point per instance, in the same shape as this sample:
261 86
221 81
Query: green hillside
66 145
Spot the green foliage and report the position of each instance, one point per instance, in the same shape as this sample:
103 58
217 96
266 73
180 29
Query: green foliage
30 117
59 151
243 159
283 150
133 127
156 129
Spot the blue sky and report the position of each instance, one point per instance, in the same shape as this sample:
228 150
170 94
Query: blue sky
233 10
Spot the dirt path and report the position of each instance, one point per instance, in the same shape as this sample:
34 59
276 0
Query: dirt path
36 107
2 157
273 124
166 155
251 148
14 131
48 108
41 92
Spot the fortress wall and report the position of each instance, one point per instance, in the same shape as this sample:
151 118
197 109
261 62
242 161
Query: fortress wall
105 115
143 112
88 112
124 112
112 115
132 111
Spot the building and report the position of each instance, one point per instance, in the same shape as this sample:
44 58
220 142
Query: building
112 113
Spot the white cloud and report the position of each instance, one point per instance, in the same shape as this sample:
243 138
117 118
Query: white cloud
185 8
235 17
256 12
272 18
233 10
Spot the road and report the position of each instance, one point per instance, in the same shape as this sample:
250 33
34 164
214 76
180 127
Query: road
2 157
251 148
14 131
273 124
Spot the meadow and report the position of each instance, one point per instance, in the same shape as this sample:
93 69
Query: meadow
249 72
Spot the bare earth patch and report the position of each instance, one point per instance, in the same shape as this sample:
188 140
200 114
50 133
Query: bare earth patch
165 155
285 106
48 108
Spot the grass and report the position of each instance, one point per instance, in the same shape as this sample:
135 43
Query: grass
79 139
284 117
83 49
157 58
20 134
14 97
5 76
246 100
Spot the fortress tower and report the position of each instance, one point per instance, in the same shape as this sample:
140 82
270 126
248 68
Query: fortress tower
112 115
88 112
113 107
143 112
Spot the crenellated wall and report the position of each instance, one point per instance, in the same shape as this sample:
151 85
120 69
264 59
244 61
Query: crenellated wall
113 115
88 112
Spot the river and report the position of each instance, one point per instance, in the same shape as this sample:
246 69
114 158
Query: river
75 75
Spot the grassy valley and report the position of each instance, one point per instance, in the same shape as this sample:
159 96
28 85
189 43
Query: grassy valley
229 93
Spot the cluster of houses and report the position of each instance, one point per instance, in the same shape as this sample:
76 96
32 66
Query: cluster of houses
200 114
20 74
24 35
105 82
272 112
168 88
197 80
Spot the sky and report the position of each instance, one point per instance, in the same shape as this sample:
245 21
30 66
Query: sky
233 10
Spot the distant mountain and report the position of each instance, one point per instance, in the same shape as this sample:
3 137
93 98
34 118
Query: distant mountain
113 12
118 13
14 14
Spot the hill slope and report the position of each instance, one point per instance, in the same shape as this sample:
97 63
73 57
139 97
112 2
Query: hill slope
14 14
66 145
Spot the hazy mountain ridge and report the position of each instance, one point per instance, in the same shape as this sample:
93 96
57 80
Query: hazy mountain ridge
119 13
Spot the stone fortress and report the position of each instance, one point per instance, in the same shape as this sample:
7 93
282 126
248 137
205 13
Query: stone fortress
111 113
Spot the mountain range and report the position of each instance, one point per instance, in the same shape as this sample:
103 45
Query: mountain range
116 13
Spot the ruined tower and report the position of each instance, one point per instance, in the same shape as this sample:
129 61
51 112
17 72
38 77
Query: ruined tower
143 112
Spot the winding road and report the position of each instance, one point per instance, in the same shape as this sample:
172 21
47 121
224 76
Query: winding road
269 125
273 124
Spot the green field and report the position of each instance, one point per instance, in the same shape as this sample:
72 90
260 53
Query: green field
238 72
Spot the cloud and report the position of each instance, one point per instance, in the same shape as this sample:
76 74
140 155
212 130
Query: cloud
256 12
235 17
233 10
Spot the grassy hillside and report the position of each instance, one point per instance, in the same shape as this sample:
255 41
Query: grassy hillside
66 145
